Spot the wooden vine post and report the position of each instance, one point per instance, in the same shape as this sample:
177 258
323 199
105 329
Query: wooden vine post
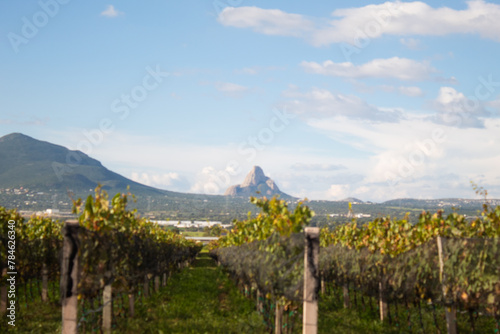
260 305
345 293
69 278
450 309
311 281
131 304
45 282
146 286
157 277
384 309
107 308
278 320
164 280
157 283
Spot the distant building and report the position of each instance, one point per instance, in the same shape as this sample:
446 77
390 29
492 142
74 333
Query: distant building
189 223
351 215
51 212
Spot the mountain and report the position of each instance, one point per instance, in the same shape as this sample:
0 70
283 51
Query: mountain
256 183
38 165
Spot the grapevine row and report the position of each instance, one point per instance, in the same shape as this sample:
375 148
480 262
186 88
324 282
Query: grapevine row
451 261
116 247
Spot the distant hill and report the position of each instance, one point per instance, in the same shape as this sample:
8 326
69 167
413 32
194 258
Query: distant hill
352 200
442 202
256 183
38 165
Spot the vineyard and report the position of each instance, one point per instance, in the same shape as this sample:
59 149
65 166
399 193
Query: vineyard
120 257
440 274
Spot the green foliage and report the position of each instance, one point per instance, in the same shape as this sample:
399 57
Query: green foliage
214 231
275 217
405 258
9 232
393 237
119 247
6 216
38 241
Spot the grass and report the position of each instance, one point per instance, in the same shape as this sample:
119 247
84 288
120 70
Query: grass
333 317
200 299
35 317
193 234
365 319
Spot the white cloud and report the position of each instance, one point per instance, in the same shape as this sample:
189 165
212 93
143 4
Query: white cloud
410 91
266 21
495 104
230 89
368 136
212 181
170 181
447 81
299 166
22 119
353 25
111 12
395 67
338 191
455 109
321 103
416 158
411 43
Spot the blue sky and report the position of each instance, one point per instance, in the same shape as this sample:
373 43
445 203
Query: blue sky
376 100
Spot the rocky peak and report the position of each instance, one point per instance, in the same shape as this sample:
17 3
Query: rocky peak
255 177
255 183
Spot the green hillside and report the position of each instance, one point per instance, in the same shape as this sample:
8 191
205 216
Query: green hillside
42 166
